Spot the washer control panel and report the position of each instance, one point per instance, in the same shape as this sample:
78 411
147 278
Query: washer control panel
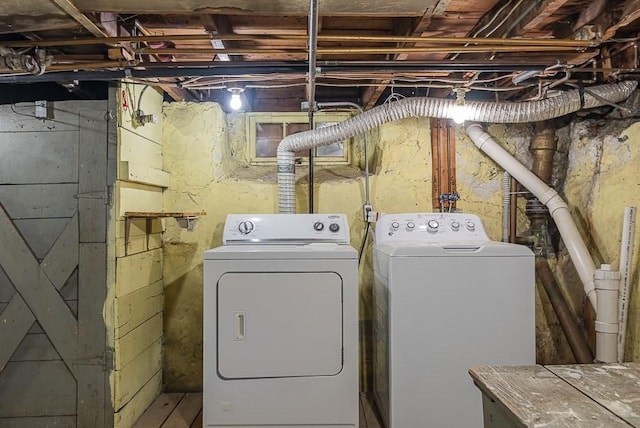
285 228
436 227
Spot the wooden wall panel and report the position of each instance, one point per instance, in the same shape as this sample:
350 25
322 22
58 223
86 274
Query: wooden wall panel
138 197
132 377
138 290
149 101
135 308
132 344
137 271
137 149
127 415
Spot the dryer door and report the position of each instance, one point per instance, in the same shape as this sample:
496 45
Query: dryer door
279 324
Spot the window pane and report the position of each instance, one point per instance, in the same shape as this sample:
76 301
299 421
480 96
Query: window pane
268 136
294 128
332 150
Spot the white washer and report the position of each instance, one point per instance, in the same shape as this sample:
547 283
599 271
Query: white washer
446 298
281 323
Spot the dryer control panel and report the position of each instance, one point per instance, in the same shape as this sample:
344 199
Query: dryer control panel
286 229
430 227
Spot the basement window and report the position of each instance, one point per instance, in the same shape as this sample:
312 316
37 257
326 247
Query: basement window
266 130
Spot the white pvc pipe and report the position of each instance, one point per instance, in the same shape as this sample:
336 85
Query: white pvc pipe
557 207
607 283
626 256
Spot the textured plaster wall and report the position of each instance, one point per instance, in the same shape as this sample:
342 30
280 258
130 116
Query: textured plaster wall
204 151
602 178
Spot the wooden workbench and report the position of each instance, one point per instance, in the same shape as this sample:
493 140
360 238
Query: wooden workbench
593 395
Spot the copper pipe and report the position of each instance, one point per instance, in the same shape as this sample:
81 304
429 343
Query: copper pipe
352 51
572 331
543 146
302 37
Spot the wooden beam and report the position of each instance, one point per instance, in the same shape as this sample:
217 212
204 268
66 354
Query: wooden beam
219 24
536 17
630 13
590 13
403 27
68 7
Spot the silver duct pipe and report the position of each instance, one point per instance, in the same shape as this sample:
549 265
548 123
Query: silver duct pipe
505 112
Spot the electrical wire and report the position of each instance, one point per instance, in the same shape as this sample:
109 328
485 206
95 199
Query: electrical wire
364 242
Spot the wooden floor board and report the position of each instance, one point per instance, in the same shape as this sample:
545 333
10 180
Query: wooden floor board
179 410
186 412
159 410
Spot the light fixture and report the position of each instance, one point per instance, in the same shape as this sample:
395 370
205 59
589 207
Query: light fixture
235 103
459 111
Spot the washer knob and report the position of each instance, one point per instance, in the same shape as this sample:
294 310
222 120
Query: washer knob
246 227
334 227
318 226
395 225
432 226
455 225
471 225
410 225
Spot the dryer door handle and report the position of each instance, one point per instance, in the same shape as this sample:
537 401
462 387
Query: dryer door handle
238 325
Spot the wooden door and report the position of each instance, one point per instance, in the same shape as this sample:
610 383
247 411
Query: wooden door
53 217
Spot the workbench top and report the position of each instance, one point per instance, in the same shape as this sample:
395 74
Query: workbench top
587 395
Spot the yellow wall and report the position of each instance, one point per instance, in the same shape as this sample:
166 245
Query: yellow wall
138 293
204 151
602 178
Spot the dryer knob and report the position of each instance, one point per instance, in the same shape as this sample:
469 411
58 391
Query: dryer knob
334 227
432 226
395 225
471 225
318 226
455 226
246 227
410 225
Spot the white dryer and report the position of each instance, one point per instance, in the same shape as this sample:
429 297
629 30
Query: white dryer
446 298
281 323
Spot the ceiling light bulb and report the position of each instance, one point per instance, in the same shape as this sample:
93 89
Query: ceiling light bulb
459 113
235 102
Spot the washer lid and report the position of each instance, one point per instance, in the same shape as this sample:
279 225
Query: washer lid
453 249
281 252
275 324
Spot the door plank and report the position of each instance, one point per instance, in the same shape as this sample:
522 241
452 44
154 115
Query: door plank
62 259
186 412
39 422
41 233
49 391
36 289
92 267
92 176
15 322
35 347
40 200
53 162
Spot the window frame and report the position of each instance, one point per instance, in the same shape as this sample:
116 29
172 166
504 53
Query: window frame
284 118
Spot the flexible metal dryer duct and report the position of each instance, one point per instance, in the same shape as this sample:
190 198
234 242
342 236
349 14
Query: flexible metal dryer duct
506 112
